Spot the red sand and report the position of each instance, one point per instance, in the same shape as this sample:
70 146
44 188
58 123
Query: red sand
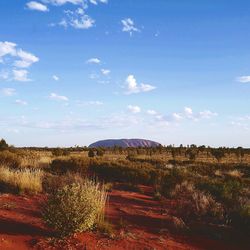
144 225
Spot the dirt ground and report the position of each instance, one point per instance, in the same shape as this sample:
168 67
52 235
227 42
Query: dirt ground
140 222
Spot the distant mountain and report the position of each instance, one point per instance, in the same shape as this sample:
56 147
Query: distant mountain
124 143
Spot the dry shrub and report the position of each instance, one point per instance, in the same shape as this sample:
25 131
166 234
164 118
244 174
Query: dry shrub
235 173
75 207
51 183
10 159
70 164
193 204
20 181
33 158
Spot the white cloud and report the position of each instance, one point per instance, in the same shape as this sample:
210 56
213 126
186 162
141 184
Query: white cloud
95 2
84 22
20 75
188 112
62 2
151 112
8 91
7 48
176 116
96 103
93 61
56 78
11 56
56 97
21 102
105 71
89 103
129 26
132 87
77 19
244 79
207 114
26 59
134 109
33 5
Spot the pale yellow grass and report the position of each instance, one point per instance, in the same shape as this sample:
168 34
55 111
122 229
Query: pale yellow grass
25 180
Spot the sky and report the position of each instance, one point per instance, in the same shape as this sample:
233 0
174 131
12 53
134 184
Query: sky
76 71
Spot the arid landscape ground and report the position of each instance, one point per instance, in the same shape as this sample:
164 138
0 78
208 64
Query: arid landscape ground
157 198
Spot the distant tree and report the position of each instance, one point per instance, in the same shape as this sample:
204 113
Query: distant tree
92 153
218 153
3 144
100 152
60 152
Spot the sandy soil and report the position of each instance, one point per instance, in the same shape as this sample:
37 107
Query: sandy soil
140 223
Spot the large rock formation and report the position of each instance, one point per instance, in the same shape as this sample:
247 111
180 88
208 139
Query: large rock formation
124 143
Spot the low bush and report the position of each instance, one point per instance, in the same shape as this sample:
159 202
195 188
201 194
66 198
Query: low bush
20 181
60 152
9 159
170 180
75 208
125 171
70 164
193 204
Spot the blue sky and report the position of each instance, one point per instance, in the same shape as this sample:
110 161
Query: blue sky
76 71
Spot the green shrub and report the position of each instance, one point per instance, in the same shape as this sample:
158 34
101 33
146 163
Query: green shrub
71 164
75 208
3 145
170 180
125 171
92 153
60 152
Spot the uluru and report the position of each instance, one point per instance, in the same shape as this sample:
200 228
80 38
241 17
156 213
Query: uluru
124 143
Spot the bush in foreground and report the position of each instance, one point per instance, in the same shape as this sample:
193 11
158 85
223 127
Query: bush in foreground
75 208
20 181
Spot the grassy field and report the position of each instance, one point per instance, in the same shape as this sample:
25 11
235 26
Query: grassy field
208 186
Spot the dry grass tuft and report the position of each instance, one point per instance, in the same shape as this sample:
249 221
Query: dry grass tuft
76 207
19 181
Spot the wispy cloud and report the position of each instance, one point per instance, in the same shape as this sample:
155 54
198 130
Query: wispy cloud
95 2
21 102
20 75
129 26
8 91
26 59
186 115
76 18
151 112
33 5
55 78
243 79
134 109
62 2
105 71
132 87
56 97
93 60
89 103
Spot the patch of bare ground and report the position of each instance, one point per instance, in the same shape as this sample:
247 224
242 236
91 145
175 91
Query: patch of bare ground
140 222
